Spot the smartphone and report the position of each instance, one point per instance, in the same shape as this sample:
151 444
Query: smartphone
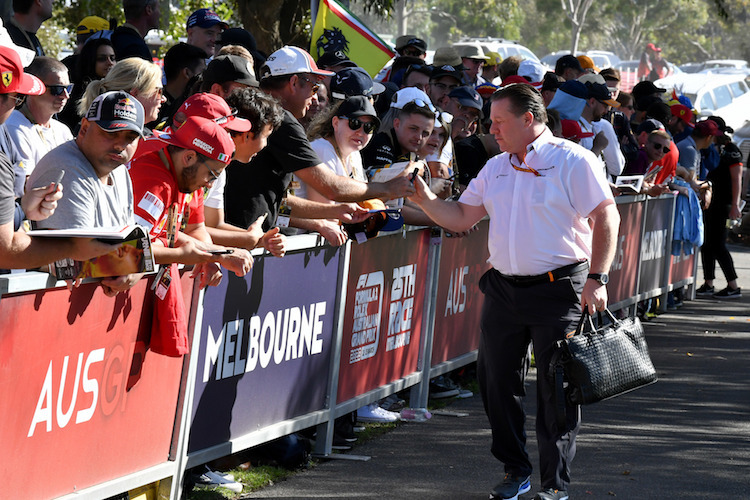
221 252
414 175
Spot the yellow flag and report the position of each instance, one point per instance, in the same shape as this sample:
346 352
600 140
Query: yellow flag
338 29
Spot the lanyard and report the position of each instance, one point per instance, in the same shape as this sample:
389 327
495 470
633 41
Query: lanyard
527 168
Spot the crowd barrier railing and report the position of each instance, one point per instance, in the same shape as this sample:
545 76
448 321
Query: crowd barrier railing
295 343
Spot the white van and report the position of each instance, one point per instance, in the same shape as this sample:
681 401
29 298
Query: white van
727 96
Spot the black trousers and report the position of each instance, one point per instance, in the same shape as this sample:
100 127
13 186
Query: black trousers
714 247
512 317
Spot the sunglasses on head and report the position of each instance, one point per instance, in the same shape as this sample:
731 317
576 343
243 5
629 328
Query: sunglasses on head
422 104
356 123
658 147
57 90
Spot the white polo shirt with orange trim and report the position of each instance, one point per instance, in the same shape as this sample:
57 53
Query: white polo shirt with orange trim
538 221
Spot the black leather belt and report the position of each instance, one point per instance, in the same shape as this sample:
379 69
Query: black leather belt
548 277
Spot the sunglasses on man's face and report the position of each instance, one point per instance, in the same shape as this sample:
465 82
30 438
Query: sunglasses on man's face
356 123
57 90
661 147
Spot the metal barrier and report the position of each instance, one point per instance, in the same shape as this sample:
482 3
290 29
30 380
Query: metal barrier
296 343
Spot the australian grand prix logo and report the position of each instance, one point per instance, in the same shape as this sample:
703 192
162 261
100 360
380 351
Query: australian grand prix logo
332 40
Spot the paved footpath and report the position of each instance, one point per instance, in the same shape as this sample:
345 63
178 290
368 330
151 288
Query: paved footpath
685 437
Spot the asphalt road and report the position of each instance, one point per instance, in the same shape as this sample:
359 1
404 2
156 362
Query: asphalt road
685 437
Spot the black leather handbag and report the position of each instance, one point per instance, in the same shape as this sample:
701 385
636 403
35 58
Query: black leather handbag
591 366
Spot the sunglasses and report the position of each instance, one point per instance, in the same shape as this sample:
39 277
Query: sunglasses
315 85
221 120
356 123
661 147
412 52
18 98
214 175
57 90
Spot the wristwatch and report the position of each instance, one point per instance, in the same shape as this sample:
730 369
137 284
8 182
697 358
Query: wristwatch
602 278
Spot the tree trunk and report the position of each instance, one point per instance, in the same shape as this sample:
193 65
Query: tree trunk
261 18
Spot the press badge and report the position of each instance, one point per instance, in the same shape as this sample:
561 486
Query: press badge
285 214
162 282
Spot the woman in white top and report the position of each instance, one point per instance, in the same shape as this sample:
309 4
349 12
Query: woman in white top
338 136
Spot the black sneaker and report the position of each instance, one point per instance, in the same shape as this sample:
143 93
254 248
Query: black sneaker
443 387
340 444
511 487
729 293
551 494
705 291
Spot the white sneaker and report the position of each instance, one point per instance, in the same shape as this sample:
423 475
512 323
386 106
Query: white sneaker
374 413
211 478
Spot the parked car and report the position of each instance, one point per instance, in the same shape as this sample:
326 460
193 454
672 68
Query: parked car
727 96
629 73
602 58
505 48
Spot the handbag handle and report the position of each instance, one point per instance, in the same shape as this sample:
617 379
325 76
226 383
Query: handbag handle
586 318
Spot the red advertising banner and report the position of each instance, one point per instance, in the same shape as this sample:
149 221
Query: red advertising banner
623 274
459 302
83 399
682 266
383 312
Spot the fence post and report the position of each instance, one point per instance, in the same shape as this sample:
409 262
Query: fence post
420 393
324 438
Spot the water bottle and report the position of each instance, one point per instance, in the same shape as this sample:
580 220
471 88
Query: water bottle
415 414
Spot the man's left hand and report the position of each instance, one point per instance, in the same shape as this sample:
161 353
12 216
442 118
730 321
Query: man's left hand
594 296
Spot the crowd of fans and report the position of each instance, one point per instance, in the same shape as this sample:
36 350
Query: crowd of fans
227 150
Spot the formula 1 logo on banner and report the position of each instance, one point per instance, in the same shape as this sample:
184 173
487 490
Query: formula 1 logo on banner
402 307
368 306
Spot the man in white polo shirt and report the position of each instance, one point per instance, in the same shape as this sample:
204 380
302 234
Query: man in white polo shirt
541 195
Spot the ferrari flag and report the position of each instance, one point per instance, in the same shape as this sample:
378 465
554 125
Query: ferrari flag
338 29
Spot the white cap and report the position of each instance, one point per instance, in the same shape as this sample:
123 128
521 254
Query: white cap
289 60
592 78
409 94
532 70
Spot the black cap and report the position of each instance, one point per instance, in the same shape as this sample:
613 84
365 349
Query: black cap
237 36
447 70
115 111
334 58
551 81
567 61
646 88
230 68
722 124
356 106
354 81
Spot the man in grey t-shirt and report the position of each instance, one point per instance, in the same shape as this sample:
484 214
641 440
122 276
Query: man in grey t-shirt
98 191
